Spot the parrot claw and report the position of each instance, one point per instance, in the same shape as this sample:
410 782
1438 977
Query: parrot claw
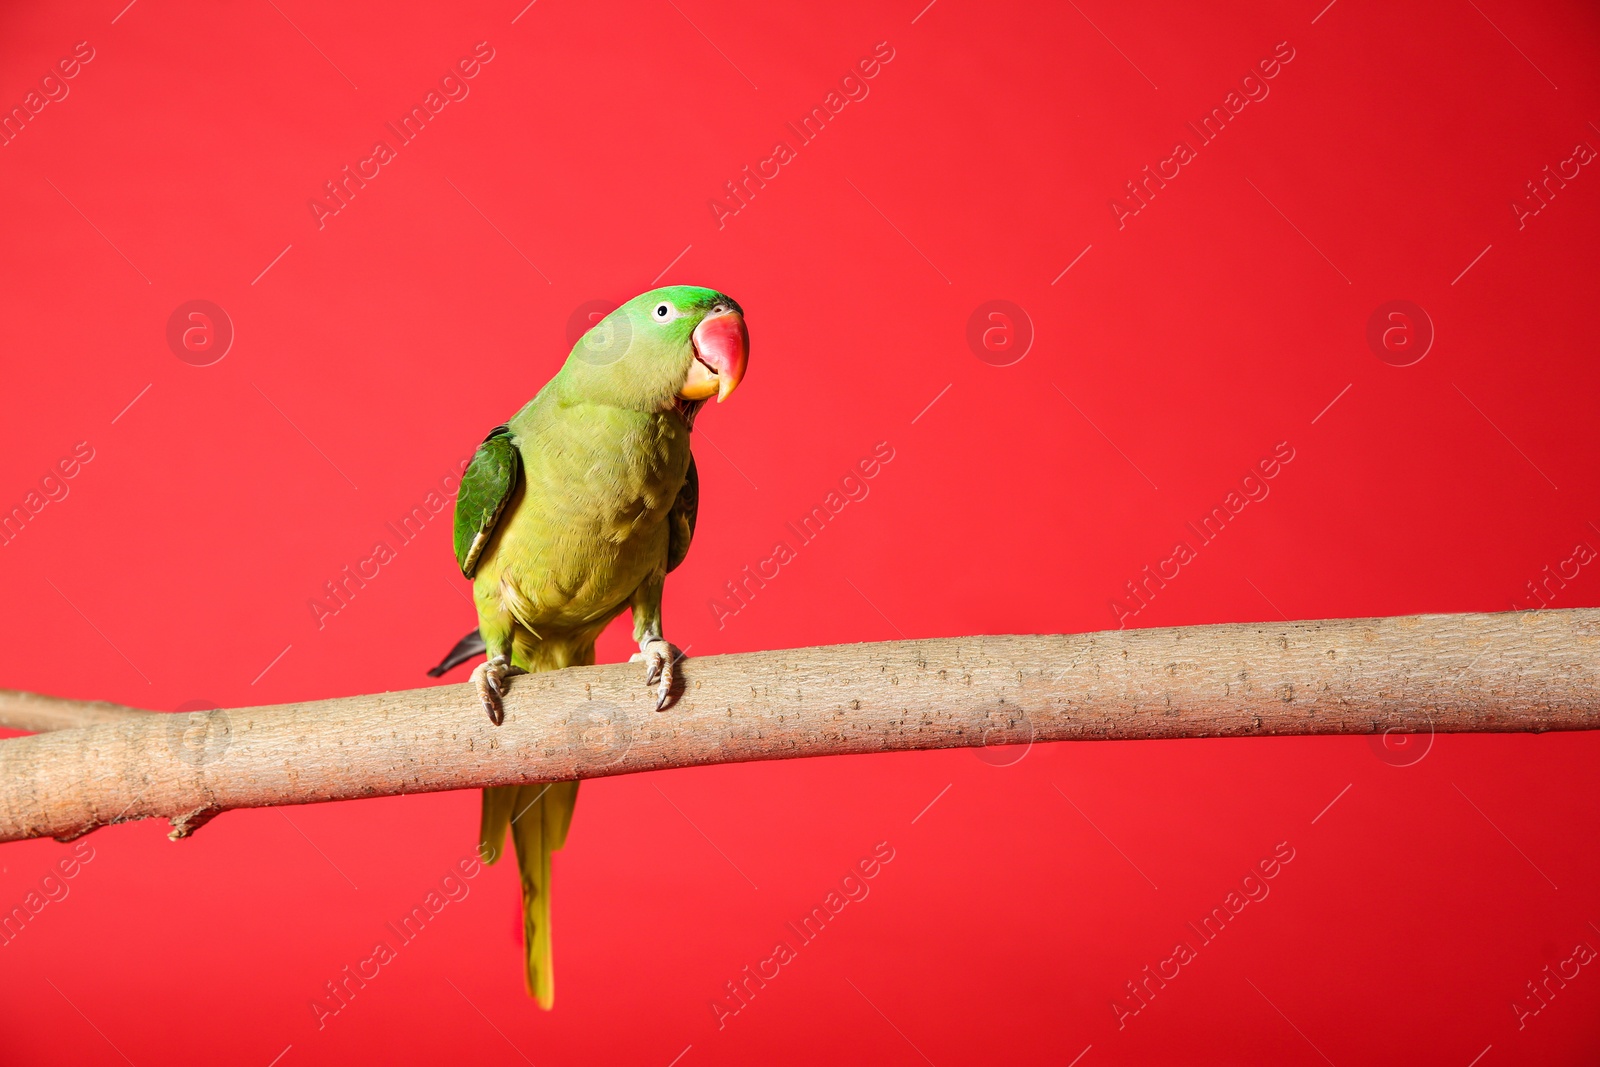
490 679
661 658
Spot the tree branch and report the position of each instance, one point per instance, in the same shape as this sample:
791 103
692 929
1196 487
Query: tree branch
1527 671
36 713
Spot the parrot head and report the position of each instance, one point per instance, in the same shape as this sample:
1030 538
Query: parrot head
670 346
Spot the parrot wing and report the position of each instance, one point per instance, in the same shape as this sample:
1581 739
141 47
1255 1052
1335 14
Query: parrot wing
680 520
486 487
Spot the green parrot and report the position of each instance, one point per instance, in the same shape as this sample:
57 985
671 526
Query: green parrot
574 510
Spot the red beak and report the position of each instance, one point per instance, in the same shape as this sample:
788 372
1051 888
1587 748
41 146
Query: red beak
721 348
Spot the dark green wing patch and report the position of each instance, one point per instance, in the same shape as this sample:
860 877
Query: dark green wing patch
486 487
680 520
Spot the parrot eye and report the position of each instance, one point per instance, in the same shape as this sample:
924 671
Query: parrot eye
663 311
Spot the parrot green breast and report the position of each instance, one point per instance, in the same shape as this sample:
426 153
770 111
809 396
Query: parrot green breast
588 520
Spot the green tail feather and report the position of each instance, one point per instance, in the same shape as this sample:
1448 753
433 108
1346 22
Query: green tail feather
537 817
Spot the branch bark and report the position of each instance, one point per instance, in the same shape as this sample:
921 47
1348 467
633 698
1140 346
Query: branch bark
1515 672
36 713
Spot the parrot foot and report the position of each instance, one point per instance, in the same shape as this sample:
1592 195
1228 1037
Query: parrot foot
490 679
661 658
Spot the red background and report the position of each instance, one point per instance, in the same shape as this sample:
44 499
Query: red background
1219 321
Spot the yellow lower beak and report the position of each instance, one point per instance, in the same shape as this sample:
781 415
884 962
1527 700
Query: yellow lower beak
703 383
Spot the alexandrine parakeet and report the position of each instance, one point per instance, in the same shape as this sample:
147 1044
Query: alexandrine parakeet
574 510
